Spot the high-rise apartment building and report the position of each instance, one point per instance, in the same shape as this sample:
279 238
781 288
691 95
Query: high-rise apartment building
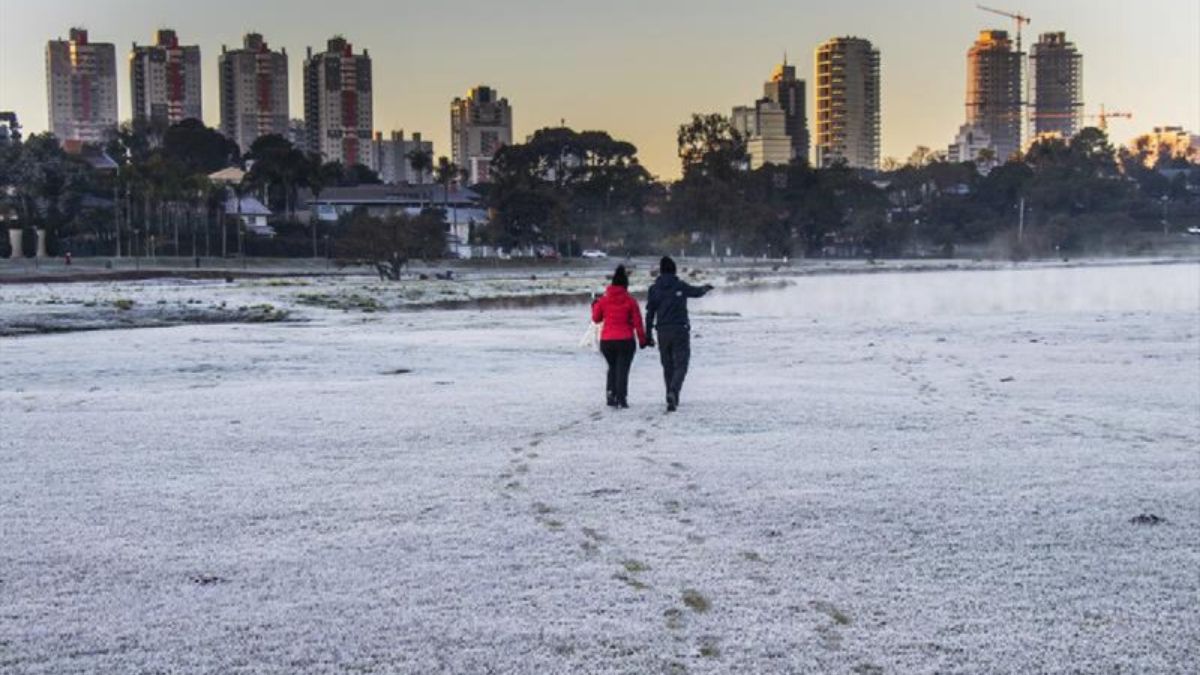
393 158
338 113
847 111
81 87
994 91
480 124
254 91
1057 69
789 94
764 126
165 80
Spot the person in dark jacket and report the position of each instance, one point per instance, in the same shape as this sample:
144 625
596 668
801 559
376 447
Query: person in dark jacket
666 310
622 319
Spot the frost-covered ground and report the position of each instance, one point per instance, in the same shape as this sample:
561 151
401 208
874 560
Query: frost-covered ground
890 473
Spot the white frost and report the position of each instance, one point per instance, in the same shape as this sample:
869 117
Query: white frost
902 473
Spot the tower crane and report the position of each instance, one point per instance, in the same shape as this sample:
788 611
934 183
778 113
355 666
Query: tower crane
1021 19
1101 117
1105 115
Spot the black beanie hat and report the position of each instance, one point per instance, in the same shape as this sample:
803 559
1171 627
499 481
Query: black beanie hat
620 277
666 265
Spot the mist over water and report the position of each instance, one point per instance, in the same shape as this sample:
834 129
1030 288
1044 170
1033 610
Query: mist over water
1122 288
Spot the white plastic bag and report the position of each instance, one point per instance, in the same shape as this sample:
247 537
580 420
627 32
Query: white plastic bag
591 339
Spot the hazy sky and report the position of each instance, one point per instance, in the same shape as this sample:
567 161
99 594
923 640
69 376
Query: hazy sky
636 68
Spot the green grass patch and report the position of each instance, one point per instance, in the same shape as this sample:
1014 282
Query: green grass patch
696 601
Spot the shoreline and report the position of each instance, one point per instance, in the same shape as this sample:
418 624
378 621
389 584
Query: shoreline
267 269
83 303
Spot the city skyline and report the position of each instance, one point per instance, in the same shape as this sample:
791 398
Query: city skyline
637 75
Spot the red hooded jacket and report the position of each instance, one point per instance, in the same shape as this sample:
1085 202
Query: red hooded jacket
621 315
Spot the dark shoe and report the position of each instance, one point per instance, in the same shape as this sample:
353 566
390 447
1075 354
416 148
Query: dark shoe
612 401
623 404
672 402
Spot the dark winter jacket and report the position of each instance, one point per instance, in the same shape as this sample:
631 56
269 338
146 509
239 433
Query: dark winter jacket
621 315
667 302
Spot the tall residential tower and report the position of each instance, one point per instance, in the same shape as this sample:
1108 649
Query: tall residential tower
994 91
847 82
789 94
480 124
1057 85
338 118
254 91
165 80
81 88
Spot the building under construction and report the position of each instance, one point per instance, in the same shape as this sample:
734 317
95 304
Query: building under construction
994 102
1057 69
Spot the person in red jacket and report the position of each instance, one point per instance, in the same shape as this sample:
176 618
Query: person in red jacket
622 319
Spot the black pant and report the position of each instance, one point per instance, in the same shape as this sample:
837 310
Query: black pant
619 354
675 350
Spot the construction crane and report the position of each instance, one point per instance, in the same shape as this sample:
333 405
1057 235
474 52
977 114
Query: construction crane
1101 117
1021 20
1105 115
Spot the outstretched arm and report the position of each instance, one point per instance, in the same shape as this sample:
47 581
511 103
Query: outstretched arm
695 291
597 311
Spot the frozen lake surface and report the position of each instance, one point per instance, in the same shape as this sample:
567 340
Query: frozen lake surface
930 472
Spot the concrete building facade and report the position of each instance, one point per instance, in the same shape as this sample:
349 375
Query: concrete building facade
254 91
1057 70
392 158
994 99
847 103
480 124
81 88
10 127
764 126
790 94
973 144
297 134
338 112
165 80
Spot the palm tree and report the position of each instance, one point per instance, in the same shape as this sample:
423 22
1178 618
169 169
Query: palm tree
240 189
196 186
214 204
446 173
421 162
317 175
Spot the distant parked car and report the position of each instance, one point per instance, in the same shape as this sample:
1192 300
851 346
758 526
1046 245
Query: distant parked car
546 251
1194 231
593 253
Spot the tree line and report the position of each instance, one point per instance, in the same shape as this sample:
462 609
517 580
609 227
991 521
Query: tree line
159 198
1062 196
566 190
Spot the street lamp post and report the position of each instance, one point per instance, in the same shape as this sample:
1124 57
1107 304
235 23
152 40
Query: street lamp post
117 214
1165 200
